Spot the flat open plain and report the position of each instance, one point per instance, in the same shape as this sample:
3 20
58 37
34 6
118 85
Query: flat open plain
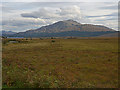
60 63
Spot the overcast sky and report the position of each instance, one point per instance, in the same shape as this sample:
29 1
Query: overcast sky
22 16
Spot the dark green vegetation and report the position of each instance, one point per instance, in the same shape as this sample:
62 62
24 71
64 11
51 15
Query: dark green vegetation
59 63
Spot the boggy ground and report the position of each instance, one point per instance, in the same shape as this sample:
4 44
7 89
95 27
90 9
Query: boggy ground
60 63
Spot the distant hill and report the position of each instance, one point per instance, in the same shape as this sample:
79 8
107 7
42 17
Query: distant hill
66 28
6 33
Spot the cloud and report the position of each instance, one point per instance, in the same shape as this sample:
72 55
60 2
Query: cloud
112 14
115 14
22 24
42 13
60 0
6 8
112 7
71 12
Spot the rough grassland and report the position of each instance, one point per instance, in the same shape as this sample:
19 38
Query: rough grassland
60 63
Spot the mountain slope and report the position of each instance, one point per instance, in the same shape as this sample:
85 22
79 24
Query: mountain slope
70 25
115 34
66 28
6 33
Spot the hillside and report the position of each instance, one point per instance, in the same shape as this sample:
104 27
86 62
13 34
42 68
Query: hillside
6 33
116 34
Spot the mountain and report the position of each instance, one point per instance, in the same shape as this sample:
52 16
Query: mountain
66 28
115 34
70 25
6 33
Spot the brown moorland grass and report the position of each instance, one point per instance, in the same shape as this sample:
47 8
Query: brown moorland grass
64 63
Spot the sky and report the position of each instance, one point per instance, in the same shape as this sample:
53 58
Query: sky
23 16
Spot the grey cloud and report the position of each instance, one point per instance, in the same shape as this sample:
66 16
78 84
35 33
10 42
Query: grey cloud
114 7
21 24
112 14
7 9
115 14
93 16
28 15
106 19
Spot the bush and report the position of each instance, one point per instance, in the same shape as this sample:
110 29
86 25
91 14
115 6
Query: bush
53 41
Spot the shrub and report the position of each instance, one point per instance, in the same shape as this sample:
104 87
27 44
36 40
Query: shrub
53 41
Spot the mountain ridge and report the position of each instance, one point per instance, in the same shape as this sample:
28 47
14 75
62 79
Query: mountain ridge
6 33
65 26
70 25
